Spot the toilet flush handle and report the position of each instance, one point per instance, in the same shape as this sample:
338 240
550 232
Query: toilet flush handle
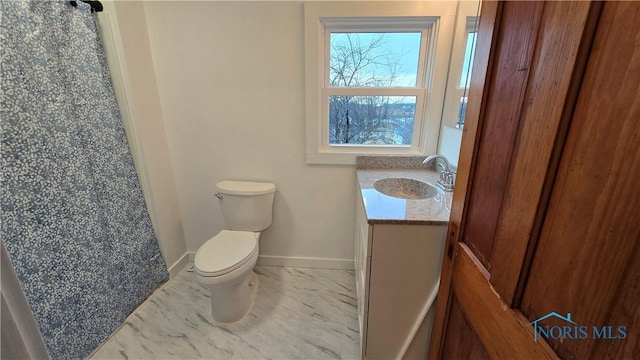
219 196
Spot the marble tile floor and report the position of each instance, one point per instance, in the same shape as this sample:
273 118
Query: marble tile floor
299 314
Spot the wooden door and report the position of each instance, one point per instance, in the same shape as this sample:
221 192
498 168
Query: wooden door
546 217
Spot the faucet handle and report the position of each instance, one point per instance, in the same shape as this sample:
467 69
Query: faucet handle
447 180
451 178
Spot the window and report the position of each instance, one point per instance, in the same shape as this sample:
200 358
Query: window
372 87
460 69
469 52
465 77
372 80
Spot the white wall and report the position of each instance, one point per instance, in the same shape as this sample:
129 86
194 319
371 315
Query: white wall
231 82
126 43
450 141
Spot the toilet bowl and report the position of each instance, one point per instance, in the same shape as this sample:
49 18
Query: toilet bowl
223 264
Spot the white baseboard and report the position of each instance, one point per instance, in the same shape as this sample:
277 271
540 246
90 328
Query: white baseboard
179 265
303 262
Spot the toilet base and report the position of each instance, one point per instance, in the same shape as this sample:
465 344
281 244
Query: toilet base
236 303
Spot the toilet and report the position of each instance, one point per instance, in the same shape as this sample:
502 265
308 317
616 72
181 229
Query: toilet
224 264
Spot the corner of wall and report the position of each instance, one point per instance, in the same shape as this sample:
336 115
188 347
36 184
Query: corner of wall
125 39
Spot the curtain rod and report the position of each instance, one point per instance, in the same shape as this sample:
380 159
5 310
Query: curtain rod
96 6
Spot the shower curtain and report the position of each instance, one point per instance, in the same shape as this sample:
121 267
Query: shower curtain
74 219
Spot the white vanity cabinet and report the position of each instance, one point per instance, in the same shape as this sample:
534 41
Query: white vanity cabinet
396 267
362 260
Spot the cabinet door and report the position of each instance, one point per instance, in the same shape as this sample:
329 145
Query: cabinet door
362 259
405 267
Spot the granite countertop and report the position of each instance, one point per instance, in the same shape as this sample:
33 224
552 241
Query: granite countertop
383 209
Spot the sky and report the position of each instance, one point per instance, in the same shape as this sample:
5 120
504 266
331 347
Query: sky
403 47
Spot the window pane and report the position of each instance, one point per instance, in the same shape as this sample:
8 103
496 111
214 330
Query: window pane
468 59
374 59
371 120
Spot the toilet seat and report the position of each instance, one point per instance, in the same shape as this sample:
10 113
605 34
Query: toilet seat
225 252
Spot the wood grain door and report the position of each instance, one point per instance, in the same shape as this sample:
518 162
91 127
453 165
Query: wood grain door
546 212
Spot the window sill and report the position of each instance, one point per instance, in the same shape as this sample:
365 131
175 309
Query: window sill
344 158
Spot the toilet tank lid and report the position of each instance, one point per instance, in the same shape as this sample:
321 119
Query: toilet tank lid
245 187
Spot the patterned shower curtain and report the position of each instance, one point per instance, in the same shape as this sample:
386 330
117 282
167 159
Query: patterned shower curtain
74 219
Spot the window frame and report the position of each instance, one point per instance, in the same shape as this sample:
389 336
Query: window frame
455 93
433 19
423 25
462 91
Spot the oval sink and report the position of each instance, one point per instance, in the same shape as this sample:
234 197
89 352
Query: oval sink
404 188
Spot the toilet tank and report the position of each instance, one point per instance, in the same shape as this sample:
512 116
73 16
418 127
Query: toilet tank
246 206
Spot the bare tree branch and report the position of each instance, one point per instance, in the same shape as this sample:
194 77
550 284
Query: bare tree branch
365 119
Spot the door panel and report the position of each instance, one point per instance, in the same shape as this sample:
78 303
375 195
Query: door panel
461 341
513 61
556 75
503 331
625 310
586 255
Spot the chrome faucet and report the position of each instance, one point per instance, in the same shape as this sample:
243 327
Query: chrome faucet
447 177
431 158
